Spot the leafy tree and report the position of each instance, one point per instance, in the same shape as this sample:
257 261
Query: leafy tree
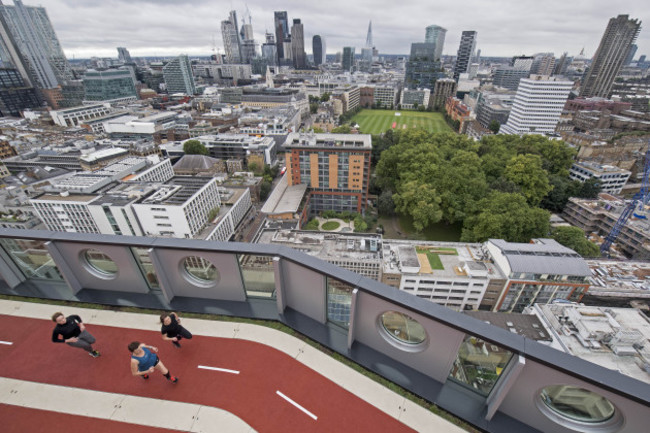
589 189
505 216
385 203
343 129
360 224
311 225
213 213
313 107
494 126
574 238
419 200
318 130
265 189
461 183
526 171
194 147
325 97
563 189
254 167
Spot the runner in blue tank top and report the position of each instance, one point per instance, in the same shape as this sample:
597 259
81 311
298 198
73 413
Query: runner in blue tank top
144 361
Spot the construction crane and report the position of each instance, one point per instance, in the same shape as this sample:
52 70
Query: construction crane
641 196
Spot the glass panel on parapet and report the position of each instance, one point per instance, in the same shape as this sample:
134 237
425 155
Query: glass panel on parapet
147 268
32 257
100 262
479 364
339 301
258 274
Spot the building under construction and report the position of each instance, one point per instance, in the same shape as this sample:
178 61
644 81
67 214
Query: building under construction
599 216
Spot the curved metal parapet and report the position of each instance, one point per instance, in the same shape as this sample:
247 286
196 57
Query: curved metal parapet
303 285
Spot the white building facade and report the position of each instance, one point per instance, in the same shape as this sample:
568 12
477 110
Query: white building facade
537 106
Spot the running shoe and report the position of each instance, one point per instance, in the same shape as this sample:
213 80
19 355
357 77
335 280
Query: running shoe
145 376
173 379
176 343
94 354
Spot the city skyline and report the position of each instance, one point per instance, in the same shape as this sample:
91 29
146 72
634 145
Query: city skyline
87 28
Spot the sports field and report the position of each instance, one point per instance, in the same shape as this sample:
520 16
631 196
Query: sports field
378 121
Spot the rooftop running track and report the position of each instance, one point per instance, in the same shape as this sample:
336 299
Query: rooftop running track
225 384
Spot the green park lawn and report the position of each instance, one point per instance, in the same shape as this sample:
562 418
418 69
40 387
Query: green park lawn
330 225
378 121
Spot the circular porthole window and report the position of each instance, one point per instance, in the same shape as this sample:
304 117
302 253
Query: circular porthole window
579 408
99 264
200 271
402 331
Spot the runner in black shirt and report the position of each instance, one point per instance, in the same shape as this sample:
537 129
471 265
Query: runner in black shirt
172 330
73 332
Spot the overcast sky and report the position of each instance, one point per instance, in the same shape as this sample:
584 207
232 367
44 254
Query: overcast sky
505 27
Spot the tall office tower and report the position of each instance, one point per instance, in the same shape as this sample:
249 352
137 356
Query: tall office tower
247 41
615 45
10 55
123 55
298 45
562 64
543 64
630 54
478 57
347 62
318 48
270 50
15 96
37 43
465 53
178 76
422 68
281 21
337 176
231 41
369 41
436 35
109 84
537 106
367 52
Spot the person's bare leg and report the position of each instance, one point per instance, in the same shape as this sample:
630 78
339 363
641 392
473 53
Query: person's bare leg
161 368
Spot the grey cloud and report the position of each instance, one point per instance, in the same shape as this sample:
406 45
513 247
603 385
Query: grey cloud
505 27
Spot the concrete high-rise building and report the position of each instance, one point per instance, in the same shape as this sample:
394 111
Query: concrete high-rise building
336 168
465 53
319 50
537 106
442 89
614 47
30 30
436 35
281 21
231 39
562 64
123 55
630 54
347 62
298 45
543 64
178 76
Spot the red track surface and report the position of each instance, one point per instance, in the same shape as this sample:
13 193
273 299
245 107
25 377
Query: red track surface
251 395
22 419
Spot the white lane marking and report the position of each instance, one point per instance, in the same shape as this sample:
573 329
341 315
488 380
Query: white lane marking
296 405
8 343
225 370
